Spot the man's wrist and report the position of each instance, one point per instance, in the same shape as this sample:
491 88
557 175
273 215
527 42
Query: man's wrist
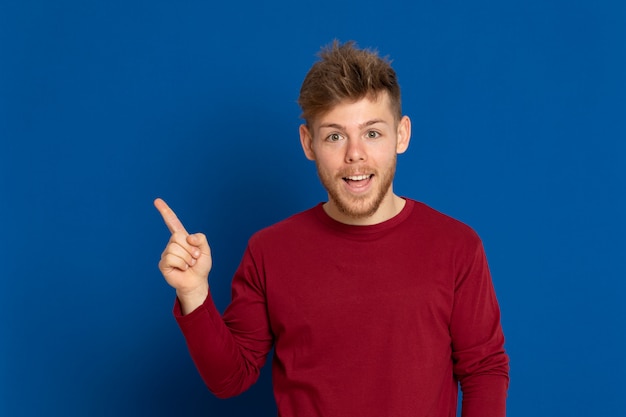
191 300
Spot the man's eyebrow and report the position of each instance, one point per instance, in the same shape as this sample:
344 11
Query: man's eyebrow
362 125
332 126
372 122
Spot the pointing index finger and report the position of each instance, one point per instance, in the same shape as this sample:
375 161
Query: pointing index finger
169 217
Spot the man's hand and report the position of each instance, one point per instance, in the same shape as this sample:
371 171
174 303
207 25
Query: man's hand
185 262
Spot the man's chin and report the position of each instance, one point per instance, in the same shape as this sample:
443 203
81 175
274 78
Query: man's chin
356 209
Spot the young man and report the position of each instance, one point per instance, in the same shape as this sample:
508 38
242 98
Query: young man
376 305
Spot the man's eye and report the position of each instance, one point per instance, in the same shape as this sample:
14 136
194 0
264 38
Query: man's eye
372 134
333 137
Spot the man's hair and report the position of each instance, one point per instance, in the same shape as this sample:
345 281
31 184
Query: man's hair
345 72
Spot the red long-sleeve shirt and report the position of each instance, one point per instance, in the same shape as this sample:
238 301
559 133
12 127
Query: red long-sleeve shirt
380 320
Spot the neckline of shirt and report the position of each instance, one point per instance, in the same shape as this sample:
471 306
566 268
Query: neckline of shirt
364 231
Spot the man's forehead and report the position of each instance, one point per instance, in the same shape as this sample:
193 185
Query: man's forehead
367 110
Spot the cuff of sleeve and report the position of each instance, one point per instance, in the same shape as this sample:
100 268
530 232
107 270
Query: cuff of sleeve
206 310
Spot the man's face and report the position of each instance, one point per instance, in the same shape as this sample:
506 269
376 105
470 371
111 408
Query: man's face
355 146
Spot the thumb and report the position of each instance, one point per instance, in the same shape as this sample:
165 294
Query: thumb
200 241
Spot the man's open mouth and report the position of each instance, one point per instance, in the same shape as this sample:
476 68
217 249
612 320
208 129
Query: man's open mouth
358 180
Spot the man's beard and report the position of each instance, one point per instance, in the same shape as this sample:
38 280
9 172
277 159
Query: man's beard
358 207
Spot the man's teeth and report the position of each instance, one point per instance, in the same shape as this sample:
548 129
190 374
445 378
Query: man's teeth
358 177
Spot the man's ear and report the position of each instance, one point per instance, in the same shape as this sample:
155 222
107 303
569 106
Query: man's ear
306 140
404 134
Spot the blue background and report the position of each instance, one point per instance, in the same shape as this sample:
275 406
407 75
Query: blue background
519 126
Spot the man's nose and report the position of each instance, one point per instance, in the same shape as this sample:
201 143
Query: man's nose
355 151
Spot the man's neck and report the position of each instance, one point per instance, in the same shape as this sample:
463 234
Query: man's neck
389 208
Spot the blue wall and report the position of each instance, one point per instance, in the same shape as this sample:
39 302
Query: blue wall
519 113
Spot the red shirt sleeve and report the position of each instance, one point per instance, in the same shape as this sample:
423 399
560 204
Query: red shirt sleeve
229 351
480 362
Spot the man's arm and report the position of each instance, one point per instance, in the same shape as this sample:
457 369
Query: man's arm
480 362
228 355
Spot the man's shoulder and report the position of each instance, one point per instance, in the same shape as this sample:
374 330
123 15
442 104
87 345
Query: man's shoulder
293 225
440 223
